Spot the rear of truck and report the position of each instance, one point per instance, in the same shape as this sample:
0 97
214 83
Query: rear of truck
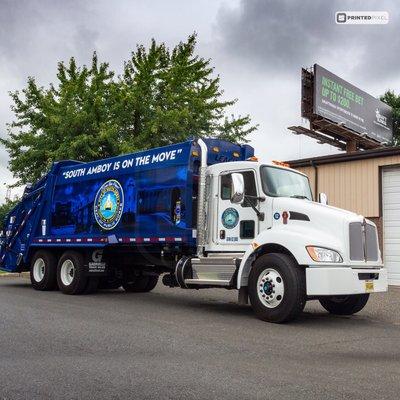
92 221
119 221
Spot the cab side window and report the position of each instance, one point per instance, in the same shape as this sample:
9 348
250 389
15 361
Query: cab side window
226 187
250 188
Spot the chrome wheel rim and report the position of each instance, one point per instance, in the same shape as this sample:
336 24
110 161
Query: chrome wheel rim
67 272
39 269
270 288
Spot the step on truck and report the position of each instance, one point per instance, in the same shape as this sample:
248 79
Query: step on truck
203 214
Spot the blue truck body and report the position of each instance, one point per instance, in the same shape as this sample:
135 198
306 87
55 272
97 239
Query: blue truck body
140 200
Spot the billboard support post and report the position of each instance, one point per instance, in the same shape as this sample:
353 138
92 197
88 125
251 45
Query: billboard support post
351 146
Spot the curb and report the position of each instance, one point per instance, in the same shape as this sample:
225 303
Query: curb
14 275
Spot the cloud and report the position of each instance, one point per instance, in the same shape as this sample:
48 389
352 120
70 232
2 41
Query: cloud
35 35
281 36
257 47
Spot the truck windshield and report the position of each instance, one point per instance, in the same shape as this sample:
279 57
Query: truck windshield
278 182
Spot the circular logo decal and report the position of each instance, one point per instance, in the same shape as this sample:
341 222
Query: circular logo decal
109 204
230 218
277 215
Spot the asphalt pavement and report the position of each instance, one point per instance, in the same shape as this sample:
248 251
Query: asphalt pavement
186 344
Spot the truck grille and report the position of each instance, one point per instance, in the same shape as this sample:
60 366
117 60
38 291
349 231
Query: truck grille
363 242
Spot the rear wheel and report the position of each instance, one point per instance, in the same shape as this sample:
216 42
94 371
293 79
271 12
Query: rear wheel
344 305
140 284
71 274
277 288
43 271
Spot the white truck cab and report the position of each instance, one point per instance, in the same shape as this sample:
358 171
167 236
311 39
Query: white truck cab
264 234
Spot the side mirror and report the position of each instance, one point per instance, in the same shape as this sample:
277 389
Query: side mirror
237 193
323 198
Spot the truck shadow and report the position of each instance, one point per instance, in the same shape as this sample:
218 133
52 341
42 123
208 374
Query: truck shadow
204 304
226 308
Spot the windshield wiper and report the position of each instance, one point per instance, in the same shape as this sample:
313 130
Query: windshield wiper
298 196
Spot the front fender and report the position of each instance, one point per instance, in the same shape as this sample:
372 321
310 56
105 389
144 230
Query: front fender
294 240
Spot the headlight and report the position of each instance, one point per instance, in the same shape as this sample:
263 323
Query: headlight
319 254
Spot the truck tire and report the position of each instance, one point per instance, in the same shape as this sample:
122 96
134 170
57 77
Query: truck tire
71 274
277 288
141 284
43 271
344 305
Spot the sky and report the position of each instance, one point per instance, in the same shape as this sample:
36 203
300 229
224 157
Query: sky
258 48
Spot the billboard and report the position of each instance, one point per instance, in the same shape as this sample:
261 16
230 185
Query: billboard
341 102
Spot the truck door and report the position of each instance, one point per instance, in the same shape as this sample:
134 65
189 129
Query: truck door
237 224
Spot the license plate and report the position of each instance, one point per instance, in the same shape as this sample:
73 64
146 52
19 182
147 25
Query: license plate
369 286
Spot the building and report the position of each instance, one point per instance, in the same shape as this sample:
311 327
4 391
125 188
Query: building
368 183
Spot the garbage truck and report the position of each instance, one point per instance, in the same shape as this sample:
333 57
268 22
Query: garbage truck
202 214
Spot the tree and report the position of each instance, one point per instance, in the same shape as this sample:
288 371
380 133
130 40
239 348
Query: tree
5 208
71 121
393 101
162 97
167 96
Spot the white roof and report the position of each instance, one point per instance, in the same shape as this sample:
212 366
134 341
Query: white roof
235 165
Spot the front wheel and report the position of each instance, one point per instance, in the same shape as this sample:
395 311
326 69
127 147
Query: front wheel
277 288
344 305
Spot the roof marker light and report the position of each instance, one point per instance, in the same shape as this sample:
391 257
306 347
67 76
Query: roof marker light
215 149
236 154
253 158
285 217
281 163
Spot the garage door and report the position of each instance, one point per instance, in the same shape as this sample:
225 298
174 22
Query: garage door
391 223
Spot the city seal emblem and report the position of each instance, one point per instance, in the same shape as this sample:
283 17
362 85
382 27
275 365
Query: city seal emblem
109 204
230 218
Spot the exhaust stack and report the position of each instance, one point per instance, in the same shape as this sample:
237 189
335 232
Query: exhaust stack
201 212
